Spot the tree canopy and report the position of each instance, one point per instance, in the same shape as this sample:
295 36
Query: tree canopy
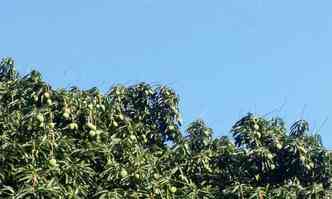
127 143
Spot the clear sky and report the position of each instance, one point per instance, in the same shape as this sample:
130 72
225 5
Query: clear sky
224 58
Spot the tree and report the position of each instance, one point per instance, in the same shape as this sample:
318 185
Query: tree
127 143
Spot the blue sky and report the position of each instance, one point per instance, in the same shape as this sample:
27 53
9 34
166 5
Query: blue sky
224 58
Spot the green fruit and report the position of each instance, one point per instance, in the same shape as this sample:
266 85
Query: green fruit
311 165
132 137
47 95
34 79
256 126
52 162
157 191
115 124
51 125
173 189
270 156
279 146
302 158
65 115
49 102
144 138
156 176
123 173
40 117
73 126
91 126
121 117
92 133
66 110
171 127
137 176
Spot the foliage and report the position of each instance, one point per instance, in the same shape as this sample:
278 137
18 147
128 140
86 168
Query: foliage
127 143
